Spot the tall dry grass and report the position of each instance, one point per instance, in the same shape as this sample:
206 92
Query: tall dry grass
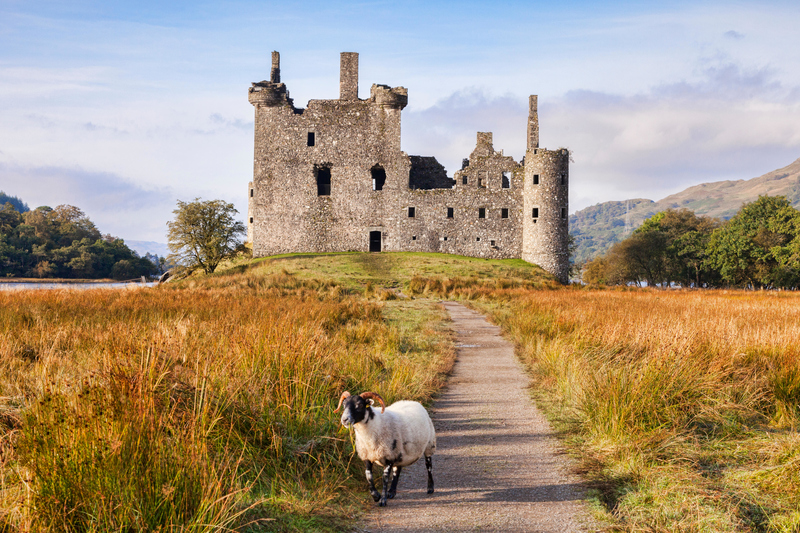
202 408
684 406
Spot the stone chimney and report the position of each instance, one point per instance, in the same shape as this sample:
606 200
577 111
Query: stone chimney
533 122
275 73
348 76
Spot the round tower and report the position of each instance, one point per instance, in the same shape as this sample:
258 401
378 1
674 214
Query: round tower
545 226
545 229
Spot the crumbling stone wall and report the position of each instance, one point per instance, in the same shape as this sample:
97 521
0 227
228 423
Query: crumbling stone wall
332 177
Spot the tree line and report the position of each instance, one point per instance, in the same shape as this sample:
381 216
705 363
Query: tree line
758 248
64 243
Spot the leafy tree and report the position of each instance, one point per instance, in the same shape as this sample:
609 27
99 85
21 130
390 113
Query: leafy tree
204 233
668 247
787 255
758 247
63 242
685 237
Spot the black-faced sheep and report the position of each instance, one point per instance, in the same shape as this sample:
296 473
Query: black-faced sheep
395 437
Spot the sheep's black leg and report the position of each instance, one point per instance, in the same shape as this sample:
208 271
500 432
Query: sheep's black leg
387 477
429 466
368 471
395 478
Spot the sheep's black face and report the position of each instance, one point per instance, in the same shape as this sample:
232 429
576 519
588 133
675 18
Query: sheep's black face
355 409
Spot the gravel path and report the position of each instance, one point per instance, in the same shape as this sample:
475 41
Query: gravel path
497 465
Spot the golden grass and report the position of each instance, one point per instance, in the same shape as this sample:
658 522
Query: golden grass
197 408
683 405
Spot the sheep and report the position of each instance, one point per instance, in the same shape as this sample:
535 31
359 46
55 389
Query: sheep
396 437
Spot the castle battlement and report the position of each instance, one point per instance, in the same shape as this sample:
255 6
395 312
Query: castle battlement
332 177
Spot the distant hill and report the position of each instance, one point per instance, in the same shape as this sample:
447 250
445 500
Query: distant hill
598 227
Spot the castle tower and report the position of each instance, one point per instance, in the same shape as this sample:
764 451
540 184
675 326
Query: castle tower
545 226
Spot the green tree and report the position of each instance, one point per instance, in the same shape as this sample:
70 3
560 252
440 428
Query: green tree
63 242
668 247
787 255
759 246
204 233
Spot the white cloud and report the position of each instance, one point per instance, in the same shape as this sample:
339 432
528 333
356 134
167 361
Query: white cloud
731 123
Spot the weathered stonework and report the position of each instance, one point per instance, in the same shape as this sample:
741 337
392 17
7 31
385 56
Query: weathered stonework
332 177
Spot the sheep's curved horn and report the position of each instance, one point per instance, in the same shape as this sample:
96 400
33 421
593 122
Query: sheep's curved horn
344 396
374 396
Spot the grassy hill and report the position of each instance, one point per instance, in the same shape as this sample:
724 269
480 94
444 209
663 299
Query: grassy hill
598 227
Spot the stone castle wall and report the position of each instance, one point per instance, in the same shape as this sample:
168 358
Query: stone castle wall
332 177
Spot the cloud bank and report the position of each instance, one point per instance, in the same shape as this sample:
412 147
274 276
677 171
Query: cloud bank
116 205
729 123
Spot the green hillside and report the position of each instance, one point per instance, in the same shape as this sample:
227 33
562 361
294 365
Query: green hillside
598 227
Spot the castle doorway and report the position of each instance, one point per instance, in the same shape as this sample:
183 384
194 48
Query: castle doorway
374 241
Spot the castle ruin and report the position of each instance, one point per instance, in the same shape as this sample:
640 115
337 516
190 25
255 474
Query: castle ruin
332 178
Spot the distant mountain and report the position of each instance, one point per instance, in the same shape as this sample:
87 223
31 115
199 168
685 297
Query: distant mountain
143 247
598 227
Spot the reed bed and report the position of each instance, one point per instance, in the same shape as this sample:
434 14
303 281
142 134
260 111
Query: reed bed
683 406
206 407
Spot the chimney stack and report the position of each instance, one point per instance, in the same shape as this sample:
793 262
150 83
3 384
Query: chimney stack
348 76
275 73
533 122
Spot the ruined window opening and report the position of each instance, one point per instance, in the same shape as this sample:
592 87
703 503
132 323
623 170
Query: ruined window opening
481 212
506 180
492 243
251 193
413 237
477 239
504 212
535 212
482 183
445 238
323 181
251 220
449 212
563 179
464 180
311 139
563 212
536 179
412 212
378 178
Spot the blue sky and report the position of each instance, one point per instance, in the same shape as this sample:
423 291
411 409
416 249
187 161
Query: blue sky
122 108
